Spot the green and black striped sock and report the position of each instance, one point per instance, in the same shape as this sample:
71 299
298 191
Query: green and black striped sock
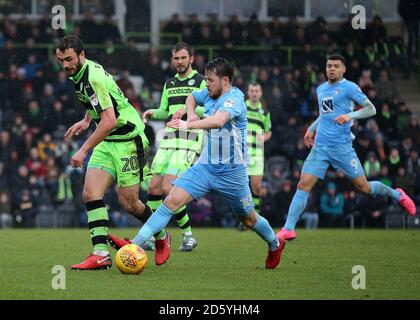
183 221
154 201
98 224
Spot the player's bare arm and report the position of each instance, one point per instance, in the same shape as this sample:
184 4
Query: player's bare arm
106 125
267 136
190 105
79 127
147 115
308 139
218 120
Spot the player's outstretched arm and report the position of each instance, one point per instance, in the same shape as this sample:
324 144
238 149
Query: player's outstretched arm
218 120
191 105
79 127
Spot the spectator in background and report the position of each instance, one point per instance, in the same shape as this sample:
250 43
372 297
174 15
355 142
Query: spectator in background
5 146
89 29
384 176
109 30
31 67
4 178
413 170
387 89
372 166
110 57
124 82
6 216
332 207
35 117
386 121
174 24
56 118
282 201
402 118
376 30
35 164
195 25
405 147
381 148
46 147
413 130
413 164
402 180
365 80
26 210
394 161
409 11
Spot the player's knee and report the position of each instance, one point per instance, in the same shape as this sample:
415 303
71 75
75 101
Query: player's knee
250 220
172 202
128 203
304 185
364 188
154 188
89 195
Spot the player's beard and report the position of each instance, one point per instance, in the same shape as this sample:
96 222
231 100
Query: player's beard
77 68
333 78
181 71
216 93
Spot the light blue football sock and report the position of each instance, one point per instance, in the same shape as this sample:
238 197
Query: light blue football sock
157 221
379 188
264 230
296 208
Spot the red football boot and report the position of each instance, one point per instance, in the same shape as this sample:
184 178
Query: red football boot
163 249
287 234
116 242
94 262
406 202
273 257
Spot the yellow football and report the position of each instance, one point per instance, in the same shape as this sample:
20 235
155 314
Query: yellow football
131 259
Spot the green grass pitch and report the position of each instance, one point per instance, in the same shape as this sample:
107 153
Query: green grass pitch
227 264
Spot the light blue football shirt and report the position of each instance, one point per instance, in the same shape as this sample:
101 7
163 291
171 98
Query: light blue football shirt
334 100
224 148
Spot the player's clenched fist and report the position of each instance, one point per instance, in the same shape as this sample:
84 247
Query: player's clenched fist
308 139
78 158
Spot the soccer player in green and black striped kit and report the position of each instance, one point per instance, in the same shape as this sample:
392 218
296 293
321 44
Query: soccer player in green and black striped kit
178 149
259 131
119 149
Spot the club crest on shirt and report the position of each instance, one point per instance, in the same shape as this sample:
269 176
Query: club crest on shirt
327 105
191 82
94 100
228 104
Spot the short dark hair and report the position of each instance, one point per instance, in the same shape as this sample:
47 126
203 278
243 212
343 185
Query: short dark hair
337 56
254 83
183 46
71 42
221 67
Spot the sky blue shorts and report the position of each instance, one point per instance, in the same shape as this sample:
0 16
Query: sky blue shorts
233 184
340 157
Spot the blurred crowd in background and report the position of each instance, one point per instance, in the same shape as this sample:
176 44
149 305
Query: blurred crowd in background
38 104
